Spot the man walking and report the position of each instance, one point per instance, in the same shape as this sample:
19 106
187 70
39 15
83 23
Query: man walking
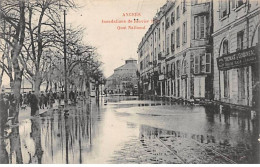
34 104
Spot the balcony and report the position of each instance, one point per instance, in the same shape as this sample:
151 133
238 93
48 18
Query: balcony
160 56
200 8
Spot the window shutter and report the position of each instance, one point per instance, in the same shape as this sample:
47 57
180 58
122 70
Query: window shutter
208 62
198 28
203 63
202 26
197 64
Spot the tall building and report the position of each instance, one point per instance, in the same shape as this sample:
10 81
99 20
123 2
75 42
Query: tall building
236 58
175 53
124 78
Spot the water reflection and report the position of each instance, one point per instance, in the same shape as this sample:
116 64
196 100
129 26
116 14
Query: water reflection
36 136
15 154
92 131
234 133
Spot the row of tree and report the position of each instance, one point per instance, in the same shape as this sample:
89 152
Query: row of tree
32 46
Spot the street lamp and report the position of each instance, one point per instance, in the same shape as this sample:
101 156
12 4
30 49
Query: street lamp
65 66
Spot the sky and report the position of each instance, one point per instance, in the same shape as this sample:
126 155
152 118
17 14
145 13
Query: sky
114 46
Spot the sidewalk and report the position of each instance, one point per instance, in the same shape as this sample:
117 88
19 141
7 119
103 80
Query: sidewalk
26 113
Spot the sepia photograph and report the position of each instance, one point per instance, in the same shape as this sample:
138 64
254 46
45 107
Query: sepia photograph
129 82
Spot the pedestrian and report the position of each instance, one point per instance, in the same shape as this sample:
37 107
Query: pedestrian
41 103
51 99
34 104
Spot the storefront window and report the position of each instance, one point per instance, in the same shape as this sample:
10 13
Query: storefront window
241 82
226 73
226 83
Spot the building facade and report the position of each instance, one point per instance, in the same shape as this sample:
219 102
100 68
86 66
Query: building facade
178 61
124 78
236 58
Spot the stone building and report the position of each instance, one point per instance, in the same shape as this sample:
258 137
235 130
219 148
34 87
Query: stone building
236 58
181 55
124 78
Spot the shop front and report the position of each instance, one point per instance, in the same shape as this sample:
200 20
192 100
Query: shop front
238 74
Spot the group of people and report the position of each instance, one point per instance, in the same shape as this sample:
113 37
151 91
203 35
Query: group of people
7 109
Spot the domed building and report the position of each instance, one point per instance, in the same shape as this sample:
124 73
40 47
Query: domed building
124 79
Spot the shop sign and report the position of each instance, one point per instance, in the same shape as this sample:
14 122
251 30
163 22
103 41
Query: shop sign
161 77
238 59
184 76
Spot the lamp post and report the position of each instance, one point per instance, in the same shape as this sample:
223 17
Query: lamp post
65 65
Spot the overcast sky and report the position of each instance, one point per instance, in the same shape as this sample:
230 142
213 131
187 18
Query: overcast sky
113 45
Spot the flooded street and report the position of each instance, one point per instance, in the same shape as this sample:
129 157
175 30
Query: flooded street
128 130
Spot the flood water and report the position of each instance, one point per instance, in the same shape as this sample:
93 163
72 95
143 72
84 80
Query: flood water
127 130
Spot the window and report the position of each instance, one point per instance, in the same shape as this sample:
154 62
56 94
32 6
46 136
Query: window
155 36
241 82
167 44
197 64
208 62
200 27
205 63
155 53
233 4
184 32
223 8
240 40
141 65
173 70
239 3
163 46
225 47
147 60
178 12
173 41
178 37
162 26
172 18
167 69
167 23
159 33
178 68
226 83
184 6
185 67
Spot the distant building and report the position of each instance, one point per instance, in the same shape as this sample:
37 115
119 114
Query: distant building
175 53
124 78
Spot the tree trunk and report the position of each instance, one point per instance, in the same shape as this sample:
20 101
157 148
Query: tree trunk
37 83
47 86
